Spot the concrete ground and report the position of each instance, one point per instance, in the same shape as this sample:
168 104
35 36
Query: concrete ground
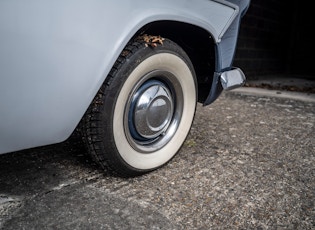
248 163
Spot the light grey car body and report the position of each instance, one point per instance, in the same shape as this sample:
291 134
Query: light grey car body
55 55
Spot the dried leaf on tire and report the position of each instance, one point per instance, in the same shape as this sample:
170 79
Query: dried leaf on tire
151 40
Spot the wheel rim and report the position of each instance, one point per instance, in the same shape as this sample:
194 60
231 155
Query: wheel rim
153 112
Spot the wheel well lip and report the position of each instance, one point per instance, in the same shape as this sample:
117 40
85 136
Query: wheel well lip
203 15
153 15
203 21
189 18
137 27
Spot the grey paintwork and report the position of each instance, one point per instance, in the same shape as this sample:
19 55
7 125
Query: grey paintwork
54 56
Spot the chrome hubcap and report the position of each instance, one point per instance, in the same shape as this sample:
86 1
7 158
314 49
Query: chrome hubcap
153 109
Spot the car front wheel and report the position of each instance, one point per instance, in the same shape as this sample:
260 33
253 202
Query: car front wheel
143 113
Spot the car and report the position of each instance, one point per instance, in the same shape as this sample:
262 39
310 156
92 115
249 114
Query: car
127 74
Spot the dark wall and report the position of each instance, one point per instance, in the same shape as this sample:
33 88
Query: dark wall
302 49
275 39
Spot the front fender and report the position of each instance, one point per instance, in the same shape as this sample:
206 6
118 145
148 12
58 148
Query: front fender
55 55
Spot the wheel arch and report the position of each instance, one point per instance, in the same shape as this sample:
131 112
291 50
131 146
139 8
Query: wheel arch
197 42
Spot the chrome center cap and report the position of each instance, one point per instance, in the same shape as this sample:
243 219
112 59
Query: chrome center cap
153 111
